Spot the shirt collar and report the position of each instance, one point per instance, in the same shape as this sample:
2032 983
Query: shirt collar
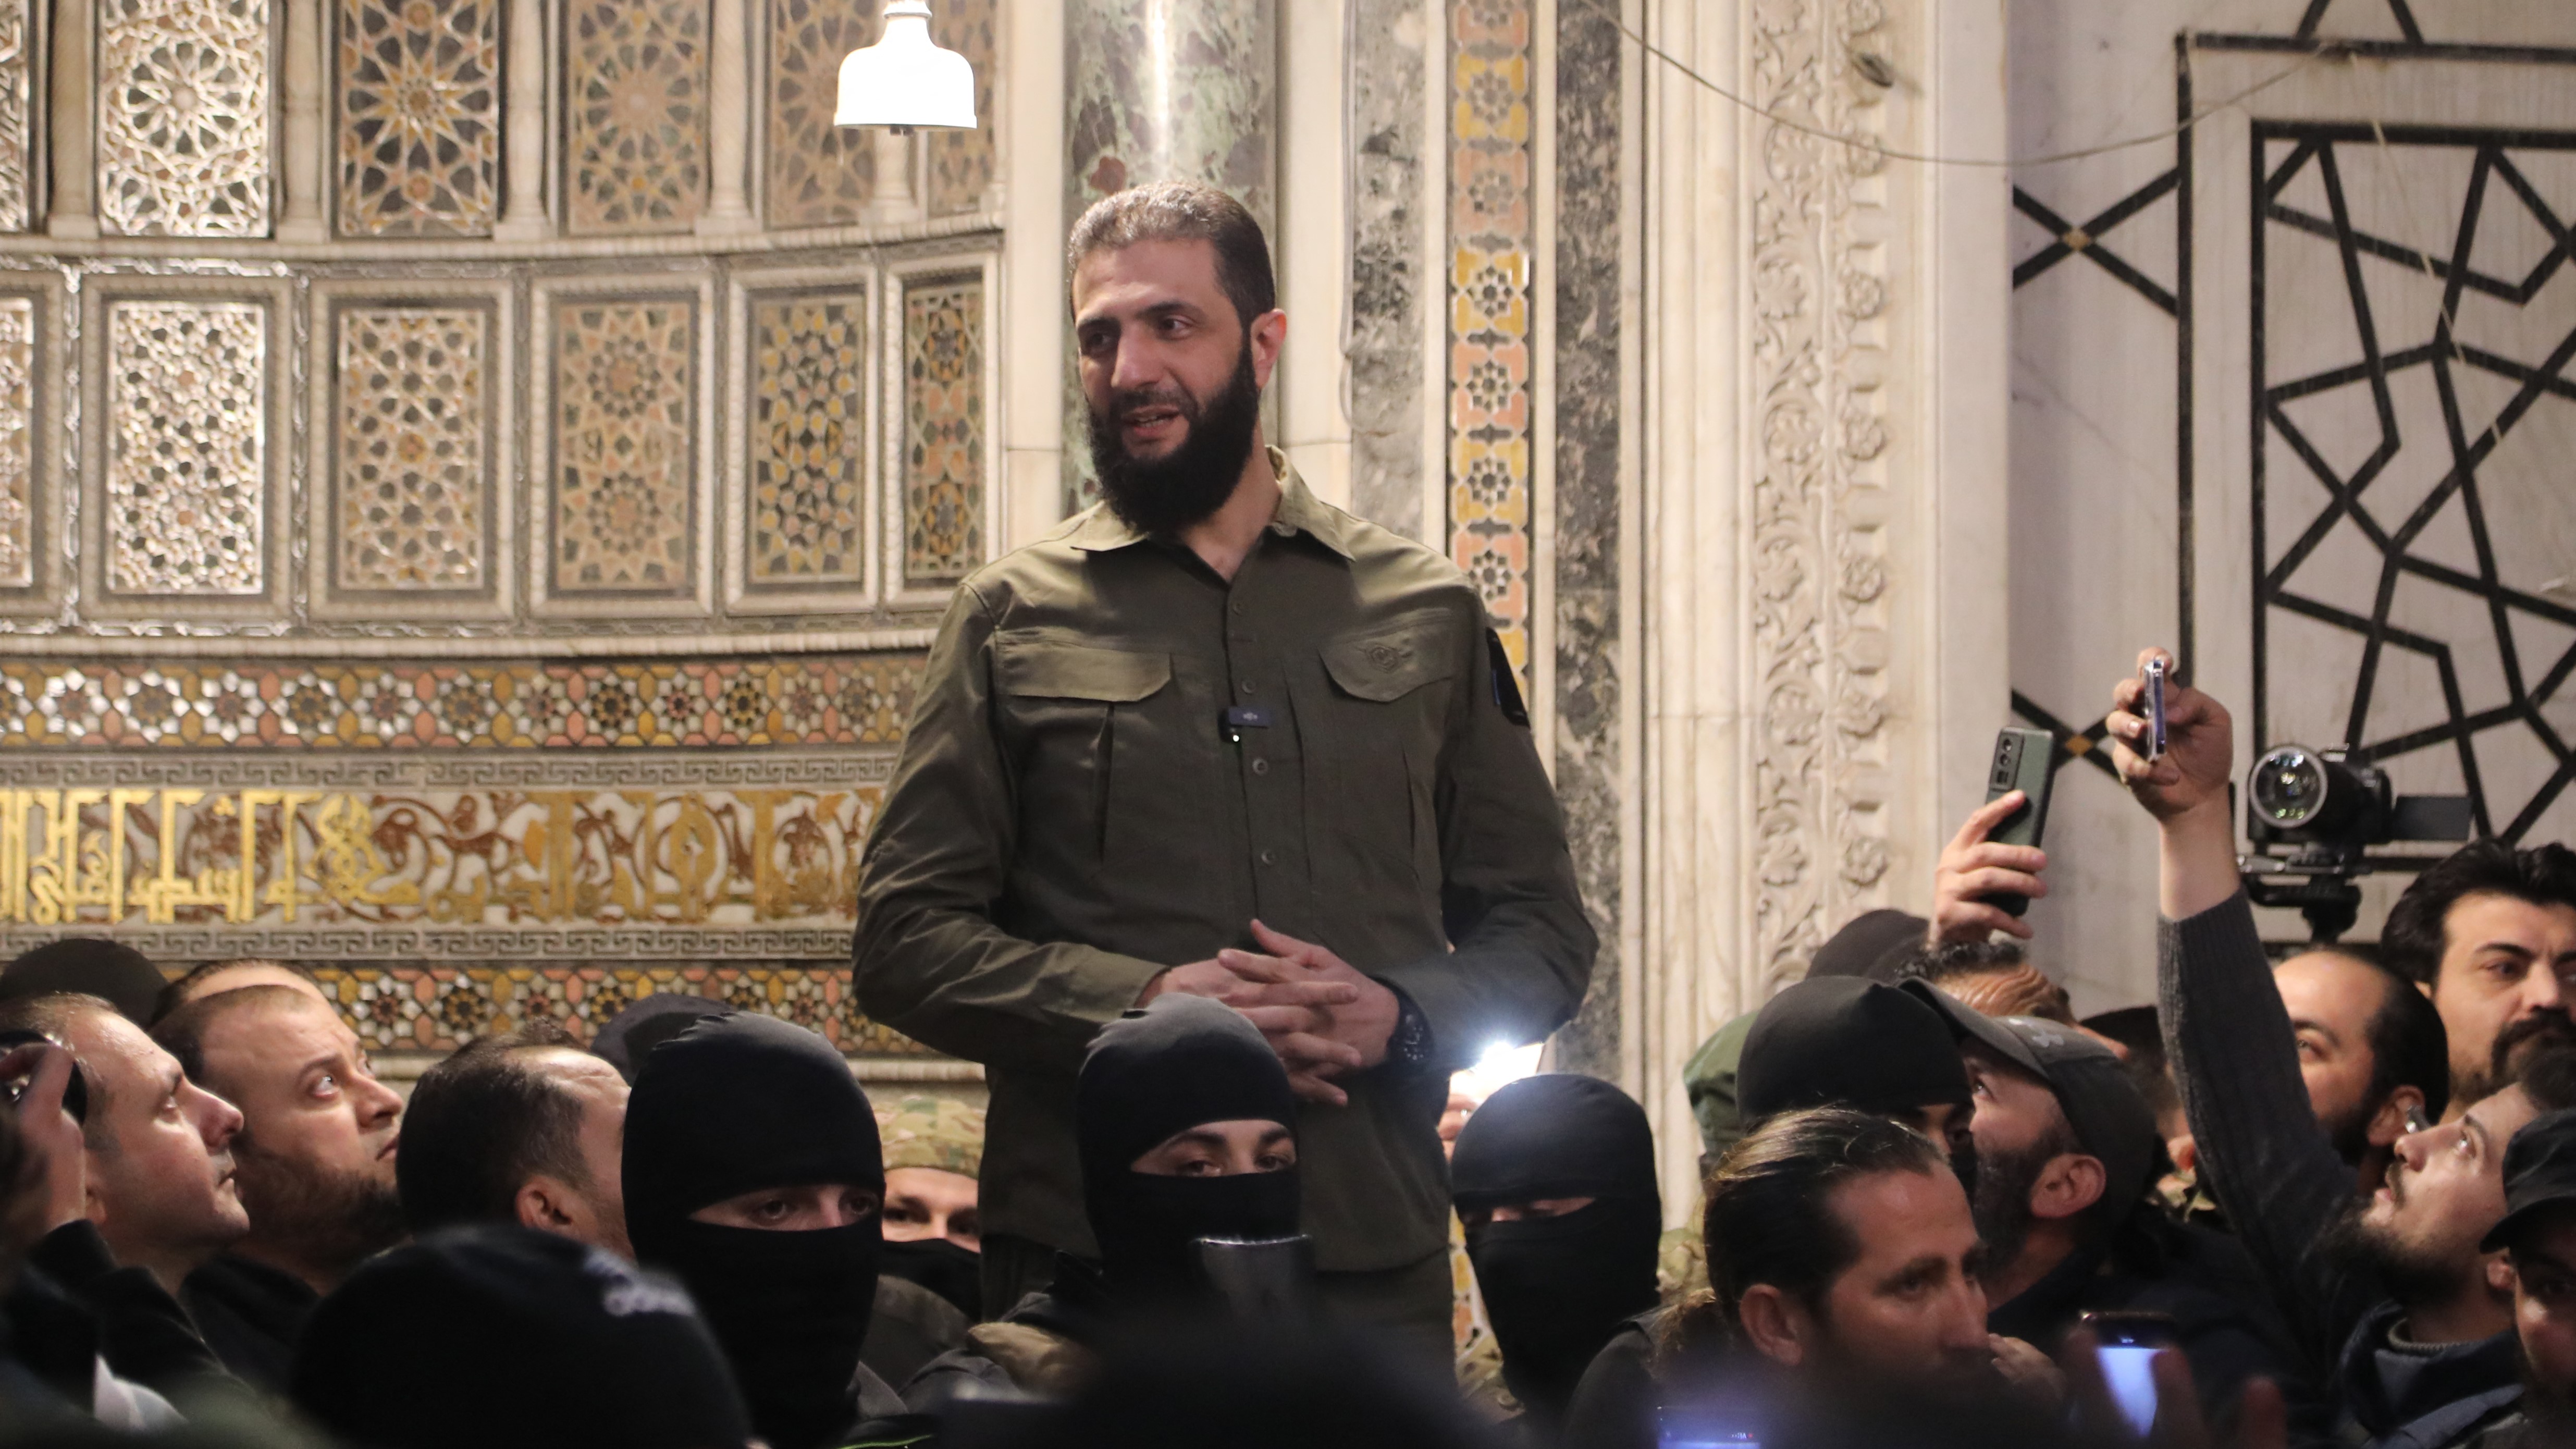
1101 530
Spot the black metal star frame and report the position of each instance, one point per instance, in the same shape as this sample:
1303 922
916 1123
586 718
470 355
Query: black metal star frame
2283 152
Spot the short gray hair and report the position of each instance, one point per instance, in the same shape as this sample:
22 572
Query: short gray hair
1183 211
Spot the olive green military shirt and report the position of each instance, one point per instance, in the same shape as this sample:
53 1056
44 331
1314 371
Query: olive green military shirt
1119 760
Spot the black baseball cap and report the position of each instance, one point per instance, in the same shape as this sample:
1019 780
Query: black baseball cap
1841 1041
2539 1173
2110 1117
1869 945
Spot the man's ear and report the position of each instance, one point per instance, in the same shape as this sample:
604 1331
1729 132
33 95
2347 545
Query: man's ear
2501 1279
1268 333
547 1204
2068 1183
2389 1122
1777 1325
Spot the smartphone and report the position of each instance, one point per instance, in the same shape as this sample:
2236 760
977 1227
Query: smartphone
1703 1427
75 1091
2023 761
2154 675
2127 1348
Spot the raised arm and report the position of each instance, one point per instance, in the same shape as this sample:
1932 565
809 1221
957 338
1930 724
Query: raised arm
2235 1056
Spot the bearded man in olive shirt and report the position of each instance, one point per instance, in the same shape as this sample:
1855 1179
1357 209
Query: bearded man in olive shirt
1215 736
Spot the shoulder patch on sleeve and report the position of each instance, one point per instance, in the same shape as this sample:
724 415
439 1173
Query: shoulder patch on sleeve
1507 681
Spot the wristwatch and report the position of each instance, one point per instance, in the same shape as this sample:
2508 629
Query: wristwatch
1410 1044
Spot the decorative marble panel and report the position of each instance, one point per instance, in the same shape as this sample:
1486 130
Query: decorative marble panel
420 106
186 476
183 117
854 699
960 163
808 438
16 96
623 500
635 101
18 423
816 175
422 1009
412 460
943 429
1492 235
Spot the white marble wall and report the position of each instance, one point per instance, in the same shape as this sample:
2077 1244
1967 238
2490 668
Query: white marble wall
2120 404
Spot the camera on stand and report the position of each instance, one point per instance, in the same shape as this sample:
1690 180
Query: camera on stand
2314 814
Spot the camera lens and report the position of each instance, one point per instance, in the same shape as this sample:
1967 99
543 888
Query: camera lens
2290 786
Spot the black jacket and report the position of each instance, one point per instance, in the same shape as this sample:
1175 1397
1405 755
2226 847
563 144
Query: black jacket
142 1332
2398 1395
1614 1404
251 1315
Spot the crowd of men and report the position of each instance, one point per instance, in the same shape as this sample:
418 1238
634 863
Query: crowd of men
1220 841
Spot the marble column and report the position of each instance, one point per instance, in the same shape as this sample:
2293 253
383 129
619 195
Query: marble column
1168 90
303 154
72 136
1389 77
728 123
523 209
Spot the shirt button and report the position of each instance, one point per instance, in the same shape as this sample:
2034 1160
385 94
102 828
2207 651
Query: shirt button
1235 607
1270 857
1248 686
1260 766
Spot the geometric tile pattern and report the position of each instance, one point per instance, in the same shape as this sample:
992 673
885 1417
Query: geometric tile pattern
854 699
187 474
17 442
623 496
943 429
183 99
414 448
808 427
961 162
818 175
419 116
2399 444
421 1009
16 95
635 97
1492 234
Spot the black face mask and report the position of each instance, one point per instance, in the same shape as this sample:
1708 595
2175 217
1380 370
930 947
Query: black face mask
952 1271
791 1310
1557 1288
1146 1224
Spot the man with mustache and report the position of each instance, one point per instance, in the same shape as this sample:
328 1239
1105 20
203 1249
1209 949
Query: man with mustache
2490 935
1218 737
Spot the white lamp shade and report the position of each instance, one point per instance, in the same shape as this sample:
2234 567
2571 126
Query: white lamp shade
906 80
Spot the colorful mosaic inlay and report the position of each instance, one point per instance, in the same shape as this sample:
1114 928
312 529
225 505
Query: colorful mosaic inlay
943 430
1492 236
183 103
407 1009
413 455
834 699
635 97
808 438
961 162
420 106
187 461
625 374
818 175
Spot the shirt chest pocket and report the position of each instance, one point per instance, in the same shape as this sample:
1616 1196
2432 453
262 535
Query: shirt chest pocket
1391 686
1096 740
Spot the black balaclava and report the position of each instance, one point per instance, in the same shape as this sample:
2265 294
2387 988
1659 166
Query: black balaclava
951 1270
737 1103
1179 1063
1558 1288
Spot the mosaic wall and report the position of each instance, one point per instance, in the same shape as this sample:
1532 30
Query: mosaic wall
1492 236
960 163
943 438
412 1009
816 175
187 468
17 442
635 87
419 117
412 455
183 117
860 699
624 506
809 438
17 98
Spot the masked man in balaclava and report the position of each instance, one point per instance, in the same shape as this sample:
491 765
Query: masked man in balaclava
1554 1178
752 1175
1186 1129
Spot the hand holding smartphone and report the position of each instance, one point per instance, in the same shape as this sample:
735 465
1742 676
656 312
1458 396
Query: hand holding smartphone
2153 675
2022 761
2126 1345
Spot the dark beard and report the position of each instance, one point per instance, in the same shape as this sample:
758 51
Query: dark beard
328 1218
2000 1201
1162 496
2518 1043
2350 1134
2408 1275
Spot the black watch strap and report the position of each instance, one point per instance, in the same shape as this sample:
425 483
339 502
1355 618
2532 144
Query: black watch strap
1410 1044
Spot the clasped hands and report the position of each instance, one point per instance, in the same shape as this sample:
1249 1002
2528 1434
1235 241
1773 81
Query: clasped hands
1317 1012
